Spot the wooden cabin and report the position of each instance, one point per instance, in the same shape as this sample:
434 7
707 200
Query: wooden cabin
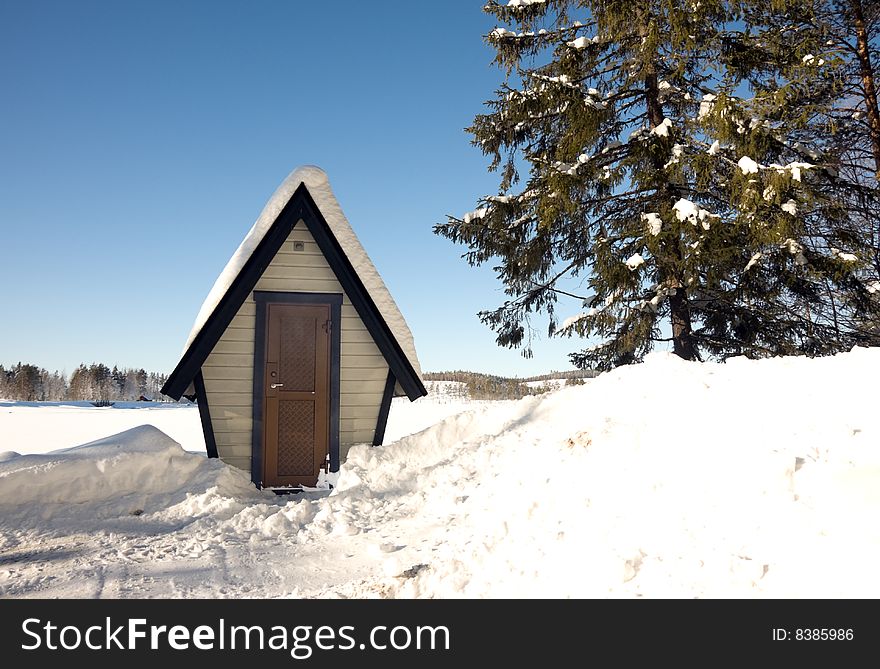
299 347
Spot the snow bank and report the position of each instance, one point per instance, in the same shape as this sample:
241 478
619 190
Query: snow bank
665 479
662 479
130 473
40 427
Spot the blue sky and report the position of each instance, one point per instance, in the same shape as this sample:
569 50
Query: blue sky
140 140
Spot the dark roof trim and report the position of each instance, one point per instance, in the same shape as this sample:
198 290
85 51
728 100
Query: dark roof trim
360 298
205 415
300 206
241 287
384 409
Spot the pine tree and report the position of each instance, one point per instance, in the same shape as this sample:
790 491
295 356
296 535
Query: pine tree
796 80
829 84
651 179
27 383
79 386
853 28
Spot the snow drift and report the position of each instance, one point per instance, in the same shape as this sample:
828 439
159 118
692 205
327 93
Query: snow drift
666 479
141 469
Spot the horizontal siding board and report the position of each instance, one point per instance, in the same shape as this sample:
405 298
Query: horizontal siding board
287 257
301 233
366 388
367 412
356 424
238 450
354 374
371 388
371 402
233 440
353 437
243 322
368 348
364 361
238 334
227 386
236 436
215 373
296 273
278 271
229 360
234 450
231 406
240 463
233 421
232 425
311 251
229 346
355 335
302 285
233 411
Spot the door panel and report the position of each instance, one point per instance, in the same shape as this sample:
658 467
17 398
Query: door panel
296 391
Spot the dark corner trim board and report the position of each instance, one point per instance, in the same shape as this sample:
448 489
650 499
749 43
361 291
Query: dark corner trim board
205 415
257 395
300 206
335 367
384 408
264 298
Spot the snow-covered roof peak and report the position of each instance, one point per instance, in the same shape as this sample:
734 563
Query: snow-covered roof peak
318 184
311 175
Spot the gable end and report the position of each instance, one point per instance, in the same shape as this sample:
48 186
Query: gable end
300 206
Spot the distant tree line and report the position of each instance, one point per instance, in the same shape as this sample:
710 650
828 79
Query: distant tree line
491 387
95 382
570 375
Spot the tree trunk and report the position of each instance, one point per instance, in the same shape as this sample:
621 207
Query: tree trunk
867 73
683 344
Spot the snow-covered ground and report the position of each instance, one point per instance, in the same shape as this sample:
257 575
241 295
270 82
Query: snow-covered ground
665 479
550 384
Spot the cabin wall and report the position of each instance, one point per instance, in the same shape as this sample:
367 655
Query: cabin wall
228 370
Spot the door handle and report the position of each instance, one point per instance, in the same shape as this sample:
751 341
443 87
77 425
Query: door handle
276 385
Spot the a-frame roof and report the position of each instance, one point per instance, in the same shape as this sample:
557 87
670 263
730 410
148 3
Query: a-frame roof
305 195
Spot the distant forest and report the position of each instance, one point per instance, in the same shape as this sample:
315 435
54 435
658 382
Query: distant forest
491 387
95 382
99 383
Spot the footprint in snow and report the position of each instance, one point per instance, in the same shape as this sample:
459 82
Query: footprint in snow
379 549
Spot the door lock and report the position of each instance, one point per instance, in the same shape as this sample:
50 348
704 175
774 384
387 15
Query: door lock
276 385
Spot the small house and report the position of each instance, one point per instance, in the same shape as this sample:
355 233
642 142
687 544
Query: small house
299 347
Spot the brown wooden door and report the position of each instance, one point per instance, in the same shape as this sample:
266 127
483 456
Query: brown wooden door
296 393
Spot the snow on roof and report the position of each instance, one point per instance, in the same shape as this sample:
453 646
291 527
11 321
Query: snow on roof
318 185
